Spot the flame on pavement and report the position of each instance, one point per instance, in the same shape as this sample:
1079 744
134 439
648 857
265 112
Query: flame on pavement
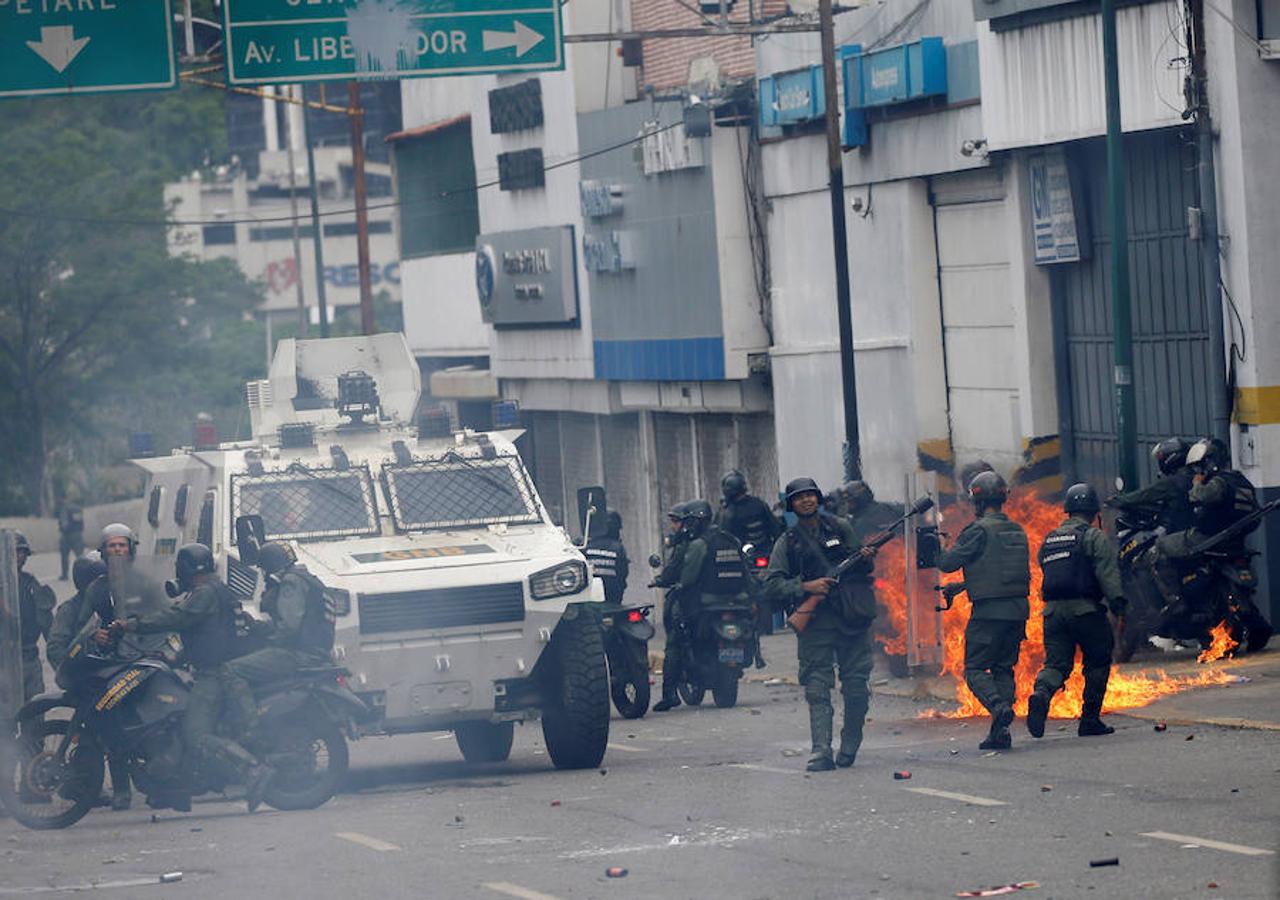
1124 690
1223 644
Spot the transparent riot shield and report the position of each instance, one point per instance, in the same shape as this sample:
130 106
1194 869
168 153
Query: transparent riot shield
137 589
923 621
11 696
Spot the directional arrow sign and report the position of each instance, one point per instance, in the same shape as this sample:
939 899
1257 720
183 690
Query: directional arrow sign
283 41
79 46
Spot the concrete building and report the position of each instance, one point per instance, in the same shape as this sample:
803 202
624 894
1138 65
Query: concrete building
246 207
617 263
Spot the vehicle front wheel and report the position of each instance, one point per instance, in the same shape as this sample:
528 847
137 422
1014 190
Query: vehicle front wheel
629 683
485 742
311 761
692 694
39 789
575 720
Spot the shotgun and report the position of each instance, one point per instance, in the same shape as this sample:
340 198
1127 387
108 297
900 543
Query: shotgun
799 620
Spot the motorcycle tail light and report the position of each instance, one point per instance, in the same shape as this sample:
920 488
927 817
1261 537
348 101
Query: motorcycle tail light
762 562
342 681
635 615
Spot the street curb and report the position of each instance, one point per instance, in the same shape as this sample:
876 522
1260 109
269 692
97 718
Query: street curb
1218 721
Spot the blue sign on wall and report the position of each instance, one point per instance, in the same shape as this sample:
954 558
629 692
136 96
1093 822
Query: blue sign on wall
790 98
895 75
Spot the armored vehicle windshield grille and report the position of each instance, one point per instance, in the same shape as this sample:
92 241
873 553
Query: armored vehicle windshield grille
441 608
303 503
457 492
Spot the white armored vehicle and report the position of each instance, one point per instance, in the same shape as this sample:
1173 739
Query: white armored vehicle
460 605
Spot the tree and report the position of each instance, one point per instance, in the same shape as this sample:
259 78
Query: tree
96 318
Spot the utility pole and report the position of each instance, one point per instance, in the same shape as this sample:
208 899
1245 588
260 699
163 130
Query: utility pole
293 222
356 114
840 239
1121 326
317 236
1211 262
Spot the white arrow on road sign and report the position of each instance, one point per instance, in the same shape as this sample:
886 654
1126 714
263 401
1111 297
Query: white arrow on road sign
58 45
523 39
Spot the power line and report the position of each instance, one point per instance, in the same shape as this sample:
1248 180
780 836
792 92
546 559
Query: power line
245 219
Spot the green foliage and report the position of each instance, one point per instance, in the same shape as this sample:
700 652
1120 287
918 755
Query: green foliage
101 330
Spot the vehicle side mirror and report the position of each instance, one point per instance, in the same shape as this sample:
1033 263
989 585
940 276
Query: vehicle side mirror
655 561
251 534
928 547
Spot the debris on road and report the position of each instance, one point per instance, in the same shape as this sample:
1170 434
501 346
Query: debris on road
1000 890
616 872
1160 726
902 775
791 752
170 877
1099 863
1212 885
555 802
1046 788
1190 737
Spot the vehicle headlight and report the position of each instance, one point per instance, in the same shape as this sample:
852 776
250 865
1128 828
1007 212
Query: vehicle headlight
566 578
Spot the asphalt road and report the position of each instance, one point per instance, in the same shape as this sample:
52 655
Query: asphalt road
715 803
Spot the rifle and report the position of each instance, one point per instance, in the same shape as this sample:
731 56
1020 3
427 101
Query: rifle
1236 528
799 619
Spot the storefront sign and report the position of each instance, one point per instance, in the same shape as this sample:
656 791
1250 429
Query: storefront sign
527 277
1053 214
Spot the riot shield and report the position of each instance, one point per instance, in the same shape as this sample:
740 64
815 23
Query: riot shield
137 585
11 695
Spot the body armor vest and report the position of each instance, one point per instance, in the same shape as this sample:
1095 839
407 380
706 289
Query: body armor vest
1004 568
1241 503
724 571
213 641
1067 568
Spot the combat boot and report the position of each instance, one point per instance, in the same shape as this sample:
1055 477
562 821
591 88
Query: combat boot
258 781
668 701
820 761
1037 713
1093 726
997 739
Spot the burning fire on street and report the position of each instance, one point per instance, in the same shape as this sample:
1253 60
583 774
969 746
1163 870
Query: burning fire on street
1124 690
1223 644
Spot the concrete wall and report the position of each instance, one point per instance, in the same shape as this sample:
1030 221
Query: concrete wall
599 78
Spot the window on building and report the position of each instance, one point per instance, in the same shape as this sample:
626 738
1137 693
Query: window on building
219 234
436 177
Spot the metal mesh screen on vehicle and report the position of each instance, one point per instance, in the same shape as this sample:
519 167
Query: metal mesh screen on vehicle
308 503
457 491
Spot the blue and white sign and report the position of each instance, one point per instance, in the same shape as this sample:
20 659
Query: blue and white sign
1053 212
895 75
790 98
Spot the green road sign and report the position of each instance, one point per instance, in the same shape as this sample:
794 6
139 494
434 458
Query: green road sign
281 41
80 46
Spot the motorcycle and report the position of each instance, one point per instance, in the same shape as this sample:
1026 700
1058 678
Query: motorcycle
1218 585
130 701
718 645
627 631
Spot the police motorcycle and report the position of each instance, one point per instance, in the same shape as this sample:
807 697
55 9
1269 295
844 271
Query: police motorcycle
720 635
128 698
1217 586
626 628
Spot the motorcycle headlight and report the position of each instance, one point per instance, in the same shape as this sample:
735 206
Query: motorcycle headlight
558 581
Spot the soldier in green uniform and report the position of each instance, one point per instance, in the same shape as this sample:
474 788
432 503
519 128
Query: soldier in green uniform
300 631
1081 570
681 576
838 631
1166 499
35 612
994 554
205 619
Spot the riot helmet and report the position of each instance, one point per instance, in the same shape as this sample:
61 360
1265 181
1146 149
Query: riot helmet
1170 455
276 556
697 516
613 524
733 485
1082 500
802 485
118 530
87 569
859 495
988 489
1208 455
193 560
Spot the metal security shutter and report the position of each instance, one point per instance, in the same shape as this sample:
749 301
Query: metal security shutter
974 271
674 441
758 454
625 483
545 428
1172 373
717 452
580 461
